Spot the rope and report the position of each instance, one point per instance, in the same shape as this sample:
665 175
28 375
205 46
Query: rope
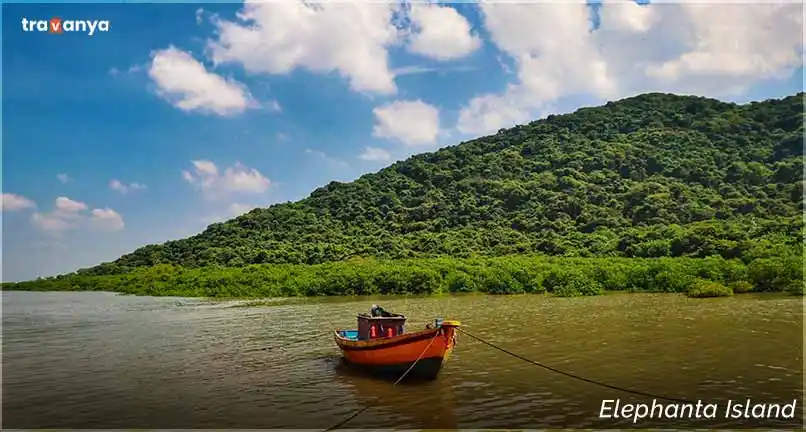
357 413
570 375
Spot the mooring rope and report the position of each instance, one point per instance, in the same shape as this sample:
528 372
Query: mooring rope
358 412
570 375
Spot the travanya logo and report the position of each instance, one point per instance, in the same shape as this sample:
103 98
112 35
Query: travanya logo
57 25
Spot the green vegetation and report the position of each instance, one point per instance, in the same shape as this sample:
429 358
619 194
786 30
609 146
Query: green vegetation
705 288
606 188
741 287
561 276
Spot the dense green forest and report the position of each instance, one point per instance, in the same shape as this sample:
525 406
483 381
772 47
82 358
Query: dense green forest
656 175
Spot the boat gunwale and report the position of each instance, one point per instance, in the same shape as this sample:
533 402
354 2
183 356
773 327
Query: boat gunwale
384 342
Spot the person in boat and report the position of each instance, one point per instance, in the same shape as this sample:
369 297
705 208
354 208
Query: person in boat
378 311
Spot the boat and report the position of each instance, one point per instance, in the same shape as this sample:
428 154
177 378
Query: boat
381 346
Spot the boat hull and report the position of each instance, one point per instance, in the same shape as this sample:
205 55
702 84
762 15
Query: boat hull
425 369
423 352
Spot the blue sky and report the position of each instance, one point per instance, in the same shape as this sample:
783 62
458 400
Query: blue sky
181 115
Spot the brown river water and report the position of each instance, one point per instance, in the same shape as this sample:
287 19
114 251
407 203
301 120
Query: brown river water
100 360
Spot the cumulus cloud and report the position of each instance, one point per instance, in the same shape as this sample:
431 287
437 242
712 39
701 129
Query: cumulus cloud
490 112
64 178
65 215
67 206
13 202
125 188
413 123
237 178
107 219
68 214
375 154
234 209
237 209
440 32
711 49
277 37
188 85
51 222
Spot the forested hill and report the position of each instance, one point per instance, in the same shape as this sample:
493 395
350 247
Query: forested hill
653 175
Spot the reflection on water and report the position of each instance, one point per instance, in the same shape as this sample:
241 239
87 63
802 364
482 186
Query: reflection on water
418 405
98 360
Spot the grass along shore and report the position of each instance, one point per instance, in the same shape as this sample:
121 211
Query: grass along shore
561 276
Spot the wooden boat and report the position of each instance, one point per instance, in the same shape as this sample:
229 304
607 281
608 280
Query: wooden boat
381 346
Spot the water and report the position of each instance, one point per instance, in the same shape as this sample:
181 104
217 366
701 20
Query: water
99 360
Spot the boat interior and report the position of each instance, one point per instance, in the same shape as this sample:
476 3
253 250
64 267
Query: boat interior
370 327
349 334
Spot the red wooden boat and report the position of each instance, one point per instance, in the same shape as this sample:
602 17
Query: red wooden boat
381 345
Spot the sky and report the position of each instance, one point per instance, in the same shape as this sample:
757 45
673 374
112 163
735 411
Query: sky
142 123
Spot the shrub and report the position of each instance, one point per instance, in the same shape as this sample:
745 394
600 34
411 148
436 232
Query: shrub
496 281
796 288
563 276
667 281
611 277
422 281
705 288
776 274
571 283
461 282
741 287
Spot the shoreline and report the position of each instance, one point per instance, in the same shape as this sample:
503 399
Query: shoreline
517 274
243 302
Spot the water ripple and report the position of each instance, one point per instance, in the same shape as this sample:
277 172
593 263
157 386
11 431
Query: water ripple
97 360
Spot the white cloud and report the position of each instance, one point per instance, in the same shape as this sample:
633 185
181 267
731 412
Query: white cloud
440 32
107 219
114 71
232 210
13 202
69 214
187 85
67 206
413 69
413 123
277 37
66 215
375 154
51 222
237 178
64 178
124 188
273 106
738 42
418 69
709 49
237 209
490 112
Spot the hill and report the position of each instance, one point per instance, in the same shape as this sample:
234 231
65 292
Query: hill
656 175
